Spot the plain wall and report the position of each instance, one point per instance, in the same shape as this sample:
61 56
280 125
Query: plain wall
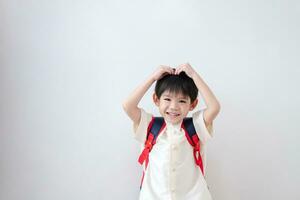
66 67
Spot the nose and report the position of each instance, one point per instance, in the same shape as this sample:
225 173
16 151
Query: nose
173 105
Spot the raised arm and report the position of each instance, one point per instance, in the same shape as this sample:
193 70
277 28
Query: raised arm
213 106
130 104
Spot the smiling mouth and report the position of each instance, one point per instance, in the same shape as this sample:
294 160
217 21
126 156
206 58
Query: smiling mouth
172 114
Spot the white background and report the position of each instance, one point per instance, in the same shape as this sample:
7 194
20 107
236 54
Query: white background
66 66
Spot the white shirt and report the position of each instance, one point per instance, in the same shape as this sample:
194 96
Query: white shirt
171 173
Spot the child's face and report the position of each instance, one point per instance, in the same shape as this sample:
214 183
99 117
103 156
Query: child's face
174 107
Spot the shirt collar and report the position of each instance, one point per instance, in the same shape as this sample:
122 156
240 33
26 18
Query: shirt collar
173 127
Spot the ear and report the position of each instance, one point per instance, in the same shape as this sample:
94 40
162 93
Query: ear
155 99
193 104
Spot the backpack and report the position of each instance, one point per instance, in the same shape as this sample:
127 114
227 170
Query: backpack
156 126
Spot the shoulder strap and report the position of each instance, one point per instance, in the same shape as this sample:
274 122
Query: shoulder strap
191 135
155 127
188 125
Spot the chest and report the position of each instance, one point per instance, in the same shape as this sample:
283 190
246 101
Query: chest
172 148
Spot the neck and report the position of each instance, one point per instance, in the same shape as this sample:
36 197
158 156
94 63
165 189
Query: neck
177 125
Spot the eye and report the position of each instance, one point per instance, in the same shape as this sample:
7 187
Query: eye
182 101
167 99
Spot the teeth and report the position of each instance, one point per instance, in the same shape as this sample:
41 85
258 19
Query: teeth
174 114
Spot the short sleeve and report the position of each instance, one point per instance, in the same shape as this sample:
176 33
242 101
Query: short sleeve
204 133
140 132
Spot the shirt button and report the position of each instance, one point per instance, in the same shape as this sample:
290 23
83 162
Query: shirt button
173 190
174 147
173 169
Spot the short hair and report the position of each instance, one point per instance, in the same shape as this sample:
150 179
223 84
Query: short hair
177 83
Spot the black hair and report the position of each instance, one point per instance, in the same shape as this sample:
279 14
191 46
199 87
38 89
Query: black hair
177 83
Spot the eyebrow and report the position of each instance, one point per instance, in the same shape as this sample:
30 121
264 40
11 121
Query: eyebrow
166 95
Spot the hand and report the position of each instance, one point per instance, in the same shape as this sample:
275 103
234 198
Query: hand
187 68
161 71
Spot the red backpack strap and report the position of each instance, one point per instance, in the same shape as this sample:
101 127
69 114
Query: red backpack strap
154 129
192 137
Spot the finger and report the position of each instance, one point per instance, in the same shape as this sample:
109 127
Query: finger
166 70
181 65
169 69
164 67
177 70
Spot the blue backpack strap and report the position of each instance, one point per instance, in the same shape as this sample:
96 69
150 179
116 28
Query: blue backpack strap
156 127
193 139
190 128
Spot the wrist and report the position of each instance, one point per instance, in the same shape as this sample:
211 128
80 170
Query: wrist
152 79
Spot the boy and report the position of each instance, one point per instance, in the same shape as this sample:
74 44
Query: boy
171 171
